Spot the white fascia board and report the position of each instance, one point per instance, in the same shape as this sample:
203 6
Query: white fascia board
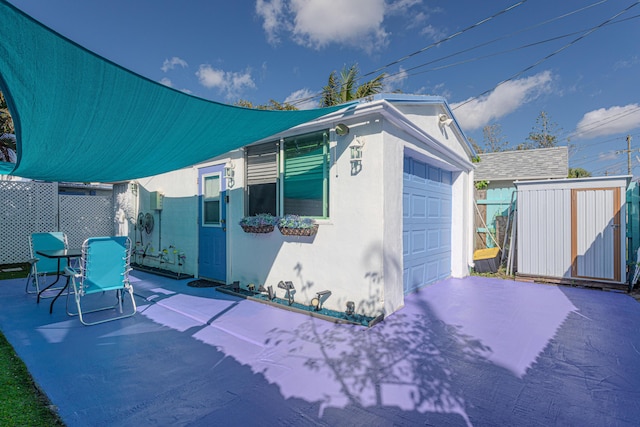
394 116
398 119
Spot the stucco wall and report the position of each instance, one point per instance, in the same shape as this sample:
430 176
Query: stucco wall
357 252
426 117
176 223
346 256
398 144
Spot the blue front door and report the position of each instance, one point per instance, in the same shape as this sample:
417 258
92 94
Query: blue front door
212 218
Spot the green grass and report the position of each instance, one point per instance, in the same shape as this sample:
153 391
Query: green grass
21 402
7 273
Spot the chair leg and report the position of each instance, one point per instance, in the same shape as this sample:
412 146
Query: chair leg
29 279
118 305
32 277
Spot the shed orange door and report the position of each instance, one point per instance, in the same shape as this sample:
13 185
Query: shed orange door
595 233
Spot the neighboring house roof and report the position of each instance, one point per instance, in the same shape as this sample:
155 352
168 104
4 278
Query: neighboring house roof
514 165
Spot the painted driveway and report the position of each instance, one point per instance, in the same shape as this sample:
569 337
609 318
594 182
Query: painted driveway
473 351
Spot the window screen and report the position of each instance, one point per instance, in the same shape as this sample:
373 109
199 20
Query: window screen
211 200
262 178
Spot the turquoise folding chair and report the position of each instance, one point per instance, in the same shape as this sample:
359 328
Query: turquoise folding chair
41 266
104 270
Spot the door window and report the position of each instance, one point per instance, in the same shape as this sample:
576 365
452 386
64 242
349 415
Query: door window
211 205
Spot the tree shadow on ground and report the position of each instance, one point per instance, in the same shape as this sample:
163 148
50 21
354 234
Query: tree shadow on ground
405 362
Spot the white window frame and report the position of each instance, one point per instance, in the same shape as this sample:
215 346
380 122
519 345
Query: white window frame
217 198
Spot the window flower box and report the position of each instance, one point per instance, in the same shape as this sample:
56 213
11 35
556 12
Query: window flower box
259 224
294 225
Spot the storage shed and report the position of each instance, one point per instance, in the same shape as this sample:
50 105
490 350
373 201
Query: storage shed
572 228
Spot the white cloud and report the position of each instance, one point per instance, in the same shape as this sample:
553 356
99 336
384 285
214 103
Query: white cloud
357 23
167 82
626 63
303 99
475 113
441 90
609 155
230 82
395 81
170 64
608 121
432 33
273 13
401 5
319 23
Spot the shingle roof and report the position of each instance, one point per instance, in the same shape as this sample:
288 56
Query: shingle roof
523 164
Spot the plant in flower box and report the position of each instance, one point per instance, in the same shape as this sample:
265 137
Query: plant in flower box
294 225
261 223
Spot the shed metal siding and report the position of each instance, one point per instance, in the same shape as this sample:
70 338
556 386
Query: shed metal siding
546 225
544 232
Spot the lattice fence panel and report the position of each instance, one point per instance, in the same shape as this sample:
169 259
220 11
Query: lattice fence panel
25 208
85 216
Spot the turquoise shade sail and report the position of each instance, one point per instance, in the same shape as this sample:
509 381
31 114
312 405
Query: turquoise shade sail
82 118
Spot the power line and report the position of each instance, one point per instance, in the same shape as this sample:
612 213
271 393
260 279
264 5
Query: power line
585 33
552 54
450 37
389 76
606 120
506 36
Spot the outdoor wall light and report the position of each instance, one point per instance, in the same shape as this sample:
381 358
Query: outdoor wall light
289 289
320 298
444 120
356 156
351 308
342 129
229 173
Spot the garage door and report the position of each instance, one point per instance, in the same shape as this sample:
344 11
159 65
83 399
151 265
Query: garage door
426 239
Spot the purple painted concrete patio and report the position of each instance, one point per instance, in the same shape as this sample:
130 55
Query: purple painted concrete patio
472 351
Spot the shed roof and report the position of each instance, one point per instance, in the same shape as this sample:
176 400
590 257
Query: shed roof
541 163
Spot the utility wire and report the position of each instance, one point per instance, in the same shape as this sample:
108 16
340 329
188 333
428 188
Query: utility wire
506 36
452 36
599 123
477 58
552 54
389 76
424 49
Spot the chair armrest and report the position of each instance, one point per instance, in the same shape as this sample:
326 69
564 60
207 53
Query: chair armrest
71 272
33 261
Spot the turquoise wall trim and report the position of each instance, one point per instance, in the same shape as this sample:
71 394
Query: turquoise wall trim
497 203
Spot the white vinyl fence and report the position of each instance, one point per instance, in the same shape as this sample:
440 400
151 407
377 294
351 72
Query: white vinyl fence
29 207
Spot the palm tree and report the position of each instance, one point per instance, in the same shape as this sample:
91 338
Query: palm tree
338 91
6 124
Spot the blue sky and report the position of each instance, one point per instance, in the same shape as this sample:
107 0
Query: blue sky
499 62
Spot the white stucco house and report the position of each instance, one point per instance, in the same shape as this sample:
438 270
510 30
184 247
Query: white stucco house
391 221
